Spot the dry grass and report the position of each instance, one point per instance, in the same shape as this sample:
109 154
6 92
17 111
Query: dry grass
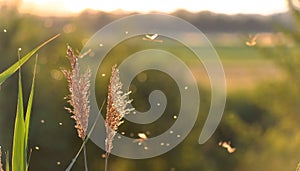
79 94
117 102
78 85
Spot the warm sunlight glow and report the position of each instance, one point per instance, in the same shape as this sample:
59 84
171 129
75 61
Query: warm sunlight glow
60 7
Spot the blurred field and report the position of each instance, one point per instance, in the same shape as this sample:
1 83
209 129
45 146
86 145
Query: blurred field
261 117
245 67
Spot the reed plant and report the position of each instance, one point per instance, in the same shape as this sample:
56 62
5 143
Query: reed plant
116 109
78 98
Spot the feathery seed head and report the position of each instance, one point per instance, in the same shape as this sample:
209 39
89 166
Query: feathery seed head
79 85
117 102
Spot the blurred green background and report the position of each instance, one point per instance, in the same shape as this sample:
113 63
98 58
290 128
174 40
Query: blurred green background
261 118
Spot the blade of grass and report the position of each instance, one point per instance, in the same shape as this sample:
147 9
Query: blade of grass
12 69
29 157
29 105
28 113
18 151
85 141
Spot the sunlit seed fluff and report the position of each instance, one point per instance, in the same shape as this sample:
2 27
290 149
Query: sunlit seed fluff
79 85
1 166
117 102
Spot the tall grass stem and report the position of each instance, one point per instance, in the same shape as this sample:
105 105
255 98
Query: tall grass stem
85 158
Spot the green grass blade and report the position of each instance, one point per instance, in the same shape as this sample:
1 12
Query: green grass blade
12 69
7 161
28 113
28 161
29 105
18 151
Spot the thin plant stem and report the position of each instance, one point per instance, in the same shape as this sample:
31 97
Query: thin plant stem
29 157
85 161
106 160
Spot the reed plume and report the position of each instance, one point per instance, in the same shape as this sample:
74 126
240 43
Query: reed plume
117 102
1 166
78 98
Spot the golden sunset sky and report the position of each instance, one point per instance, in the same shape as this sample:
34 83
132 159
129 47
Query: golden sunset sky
68 7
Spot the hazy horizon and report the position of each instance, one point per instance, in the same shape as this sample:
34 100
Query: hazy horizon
75 7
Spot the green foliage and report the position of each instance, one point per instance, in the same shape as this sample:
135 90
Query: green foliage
12 69
19 152
29 107
21 128
280 102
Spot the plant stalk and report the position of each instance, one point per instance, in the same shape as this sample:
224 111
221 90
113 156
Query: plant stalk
85 158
